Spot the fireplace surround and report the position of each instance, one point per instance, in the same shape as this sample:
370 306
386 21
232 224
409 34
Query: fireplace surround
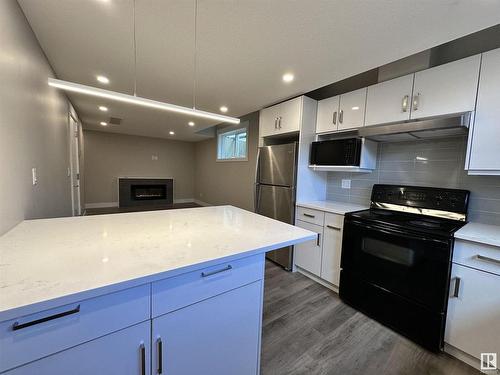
135 191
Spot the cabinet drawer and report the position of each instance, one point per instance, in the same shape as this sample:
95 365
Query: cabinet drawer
476 255
310 216
183 290
334 220
38 335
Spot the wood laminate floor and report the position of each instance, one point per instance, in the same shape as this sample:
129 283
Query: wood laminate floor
308 330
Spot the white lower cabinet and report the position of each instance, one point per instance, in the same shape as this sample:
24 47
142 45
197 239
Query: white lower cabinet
320 257
220 335
332 249
473 322
307 255
127 352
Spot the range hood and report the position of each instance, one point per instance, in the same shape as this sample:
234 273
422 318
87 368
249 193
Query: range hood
436 127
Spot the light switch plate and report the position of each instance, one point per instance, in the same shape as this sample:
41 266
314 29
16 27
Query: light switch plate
346 184
154 157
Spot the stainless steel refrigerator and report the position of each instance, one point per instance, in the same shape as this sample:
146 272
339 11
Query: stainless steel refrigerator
275 191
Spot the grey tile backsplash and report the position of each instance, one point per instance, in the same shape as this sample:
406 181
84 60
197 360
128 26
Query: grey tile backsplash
438 163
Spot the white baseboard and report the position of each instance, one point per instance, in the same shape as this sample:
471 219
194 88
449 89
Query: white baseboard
184 200
317 279
201 203
101 205
462 356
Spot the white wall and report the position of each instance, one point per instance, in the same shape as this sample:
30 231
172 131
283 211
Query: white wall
110 155
33 127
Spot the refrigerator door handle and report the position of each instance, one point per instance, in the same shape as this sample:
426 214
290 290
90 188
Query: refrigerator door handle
255 195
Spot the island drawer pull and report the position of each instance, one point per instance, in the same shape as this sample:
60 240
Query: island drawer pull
16 326
160 356
206 274
332 227
309 215
487 259
142 349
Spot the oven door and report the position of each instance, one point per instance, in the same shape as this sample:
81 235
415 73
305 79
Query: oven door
408 264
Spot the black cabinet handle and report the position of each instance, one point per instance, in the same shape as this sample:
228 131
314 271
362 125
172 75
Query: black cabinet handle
160 355
206 274
309 215
142 349
16 326
318 240
456 289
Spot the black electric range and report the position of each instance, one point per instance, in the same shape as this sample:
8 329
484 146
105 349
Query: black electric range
396 258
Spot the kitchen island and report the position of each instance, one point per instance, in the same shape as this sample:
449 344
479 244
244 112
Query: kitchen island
175 292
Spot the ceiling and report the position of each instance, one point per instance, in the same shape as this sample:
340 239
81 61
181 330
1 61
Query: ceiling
243 49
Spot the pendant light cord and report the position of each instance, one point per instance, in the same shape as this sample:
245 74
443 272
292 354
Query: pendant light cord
195 42
135 55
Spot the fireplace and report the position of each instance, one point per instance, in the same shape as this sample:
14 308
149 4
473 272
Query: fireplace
133 192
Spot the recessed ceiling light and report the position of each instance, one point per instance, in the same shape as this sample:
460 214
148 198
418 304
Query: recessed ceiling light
104 123
288 77
103 108
191 123
103 79
223 109
355 108
171 133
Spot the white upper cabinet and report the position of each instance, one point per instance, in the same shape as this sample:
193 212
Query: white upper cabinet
289 115
484 136
328 113
352 109
389 101
446 89
281 118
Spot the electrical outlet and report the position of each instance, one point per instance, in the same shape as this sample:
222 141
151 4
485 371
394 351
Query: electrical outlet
346 184
34 176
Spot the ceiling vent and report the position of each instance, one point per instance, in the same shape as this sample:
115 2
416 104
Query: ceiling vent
115 120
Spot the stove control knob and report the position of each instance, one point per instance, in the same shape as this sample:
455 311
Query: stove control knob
439 199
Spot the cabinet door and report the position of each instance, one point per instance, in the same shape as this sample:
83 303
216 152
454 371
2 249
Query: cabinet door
126 352
483 151
220 335
268 121
352 109
328 115
389 101
307 254
332 248
473 322
446 89
289 115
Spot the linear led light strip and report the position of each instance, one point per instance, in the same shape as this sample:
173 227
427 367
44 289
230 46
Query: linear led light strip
113 95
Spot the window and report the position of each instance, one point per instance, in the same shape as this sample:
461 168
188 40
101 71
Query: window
232 144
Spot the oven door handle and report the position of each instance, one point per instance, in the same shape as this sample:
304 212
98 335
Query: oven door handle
397 233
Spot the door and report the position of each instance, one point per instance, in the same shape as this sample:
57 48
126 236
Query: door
408 264
268 121
289 115
446 89
483 151
473 323
332 248
352 110
220 335
307 255
389 101
328 113
74 146
125 352
277 165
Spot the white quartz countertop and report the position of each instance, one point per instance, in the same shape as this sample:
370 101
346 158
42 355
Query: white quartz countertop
482 233
333 206
51 262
